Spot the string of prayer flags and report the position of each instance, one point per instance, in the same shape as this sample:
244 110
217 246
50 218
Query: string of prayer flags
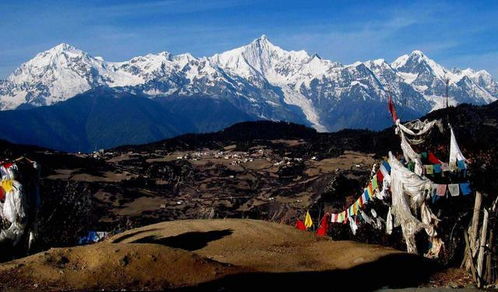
368 193
432 169
453 189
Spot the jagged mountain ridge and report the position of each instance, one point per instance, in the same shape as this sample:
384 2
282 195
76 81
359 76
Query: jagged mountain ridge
261 79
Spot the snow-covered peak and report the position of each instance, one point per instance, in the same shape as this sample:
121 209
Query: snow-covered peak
410 60
417 53
149 58
262 59
184 59
478 76
53 75
59 51
60 57
415 57
482 78
64 47
376 64
261 45
418 63
418 67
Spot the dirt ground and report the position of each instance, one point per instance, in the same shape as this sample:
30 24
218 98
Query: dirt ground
222 254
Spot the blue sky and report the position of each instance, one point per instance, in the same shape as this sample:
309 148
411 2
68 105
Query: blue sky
454 33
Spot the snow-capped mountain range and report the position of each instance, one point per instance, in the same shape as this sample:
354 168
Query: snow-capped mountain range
261 79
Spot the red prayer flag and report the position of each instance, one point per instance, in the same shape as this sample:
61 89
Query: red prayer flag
324 226
380 176
321 231
433 159
300 225
392 109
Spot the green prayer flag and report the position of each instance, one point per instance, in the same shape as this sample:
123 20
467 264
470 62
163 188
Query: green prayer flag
374 183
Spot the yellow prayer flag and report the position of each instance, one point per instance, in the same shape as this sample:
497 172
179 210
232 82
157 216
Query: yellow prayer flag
371 190
429 169
355 208
342 216
307 220
6 185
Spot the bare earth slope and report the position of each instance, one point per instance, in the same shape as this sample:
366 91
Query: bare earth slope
229 254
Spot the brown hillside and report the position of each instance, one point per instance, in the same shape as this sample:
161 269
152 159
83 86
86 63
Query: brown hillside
231 254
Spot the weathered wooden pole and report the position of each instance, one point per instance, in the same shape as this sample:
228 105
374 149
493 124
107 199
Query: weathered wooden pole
473 232
488 274
482 246
468 253
490 268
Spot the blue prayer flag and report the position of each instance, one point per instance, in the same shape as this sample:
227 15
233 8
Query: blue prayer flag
387 166
367 197
465 188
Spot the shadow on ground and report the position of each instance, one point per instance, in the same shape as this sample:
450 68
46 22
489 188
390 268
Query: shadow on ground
188 241
392 271
131 234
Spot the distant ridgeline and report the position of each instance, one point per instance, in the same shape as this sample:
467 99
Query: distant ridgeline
104 118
